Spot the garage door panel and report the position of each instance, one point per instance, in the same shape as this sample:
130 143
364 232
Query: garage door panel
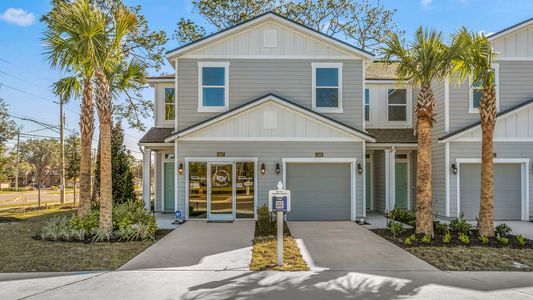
319 191
507 191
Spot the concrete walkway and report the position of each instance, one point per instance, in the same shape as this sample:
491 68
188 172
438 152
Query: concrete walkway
345 245
198 245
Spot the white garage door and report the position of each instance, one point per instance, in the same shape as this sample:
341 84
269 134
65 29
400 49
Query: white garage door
507 191
319 191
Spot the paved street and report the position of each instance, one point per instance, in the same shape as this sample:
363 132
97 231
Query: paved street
30 197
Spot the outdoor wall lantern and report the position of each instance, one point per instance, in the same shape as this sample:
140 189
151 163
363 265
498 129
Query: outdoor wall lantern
359 169
454 169
263 170
278 170
180 169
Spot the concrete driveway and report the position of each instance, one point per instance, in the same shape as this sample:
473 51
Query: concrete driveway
348 246
198 245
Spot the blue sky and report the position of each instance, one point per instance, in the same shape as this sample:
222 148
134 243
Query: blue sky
25 76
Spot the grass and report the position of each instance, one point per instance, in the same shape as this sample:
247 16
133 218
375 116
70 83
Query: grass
265 255
475 258
21 253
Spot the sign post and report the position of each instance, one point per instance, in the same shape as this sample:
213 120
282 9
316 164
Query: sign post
279 202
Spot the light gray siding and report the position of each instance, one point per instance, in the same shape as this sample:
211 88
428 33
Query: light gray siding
271 153
438 161
502 150
250 79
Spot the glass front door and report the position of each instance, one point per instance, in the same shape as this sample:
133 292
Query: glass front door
221 191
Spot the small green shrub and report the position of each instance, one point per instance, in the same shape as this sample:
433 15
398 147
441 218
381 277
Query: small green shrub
100 235
439 227
426 239
264 226
459 225
410 240
503 230
395 228
503 240
484 240
521 240
56 229
88 223
447 238
403 215
464 238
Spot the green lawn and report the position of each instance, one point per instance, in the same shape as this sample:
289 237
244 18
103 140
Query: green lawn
21 253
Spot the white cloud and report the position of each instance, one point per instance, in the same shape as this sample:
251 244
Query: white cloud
425 2
18 17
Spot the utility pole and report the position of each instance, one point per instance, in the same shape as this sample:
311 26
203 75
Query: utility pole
62 163
17 164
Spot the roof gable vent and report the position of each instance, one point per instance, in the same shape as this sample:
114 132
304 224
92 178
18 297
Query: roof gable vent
270 38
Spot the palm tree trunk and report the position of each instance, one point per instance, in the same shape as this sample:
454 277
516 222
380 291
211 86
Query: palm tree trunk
425 117
103 105
86 129
487 113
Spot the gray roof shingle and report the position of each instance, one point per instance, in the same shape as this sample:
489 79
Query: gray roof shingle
394 135
156 135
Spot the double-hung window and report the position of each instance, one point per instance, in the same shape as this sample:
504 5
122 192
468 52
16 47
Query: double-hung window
170 102
476 90
327 87
213 86
397 105
367 105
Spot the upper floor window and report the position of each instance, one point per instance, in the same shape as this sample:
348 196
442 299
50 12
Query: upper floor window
476 90
367 105
170 108
397 105
327 87
213 86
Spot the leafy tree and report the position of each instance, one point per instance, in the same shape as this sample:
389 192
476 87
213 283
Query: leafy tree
421 62
477 62
7 131
43 155
122 163
363 23
72 160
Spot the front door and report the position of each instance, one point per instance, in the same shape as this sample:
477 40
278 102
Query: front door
401 185
168 193
221 191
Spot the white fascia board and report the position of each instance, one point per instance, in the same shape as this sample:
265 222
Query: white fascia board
494 37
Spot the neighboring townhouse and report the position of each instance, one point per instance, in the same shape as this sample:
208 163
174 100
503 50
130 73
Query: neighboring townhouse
271 100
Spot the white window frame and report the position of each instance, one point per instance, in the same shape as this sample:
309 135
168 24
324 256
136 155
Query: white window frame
201 107
338 66
407 112
471 108
365 105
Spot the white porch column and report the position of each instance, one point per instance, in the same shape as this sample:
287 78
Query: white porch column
392 177
387 179
147 163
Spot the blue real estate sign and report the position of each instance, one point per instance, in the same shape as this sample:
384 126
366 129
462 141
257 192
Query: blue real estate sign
279 200
279 203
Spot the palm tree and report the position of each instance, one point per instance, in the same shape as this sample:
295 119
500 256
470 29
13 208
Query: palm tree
477 63
122 22
423 61
73 36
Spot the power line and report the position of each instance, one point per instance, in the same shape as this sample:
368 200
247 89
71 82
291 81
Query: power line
25 80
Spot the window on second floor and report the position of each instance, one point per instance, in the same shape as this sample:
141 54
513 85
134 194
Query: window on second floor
170 108
213 86
327 87
397 105
367 105
476 90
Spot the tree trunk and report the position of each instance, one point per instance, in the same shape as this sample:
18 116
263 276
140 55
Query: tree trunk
103 105
74 186
86 129
425 118
39 196
487 113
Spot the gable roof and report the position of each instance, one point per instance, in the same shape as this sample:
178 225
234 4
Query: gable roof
477 124
277 99
509 29
274 16
156 135
378 70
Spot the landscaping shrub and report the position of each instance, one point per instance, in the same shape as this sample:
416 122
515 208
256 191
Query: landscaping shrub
439 227
447 238
410 240
264 226
503 240
402 215
426 239
503 230
521 240
464 238
130 222
484 240
395 228
459 225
